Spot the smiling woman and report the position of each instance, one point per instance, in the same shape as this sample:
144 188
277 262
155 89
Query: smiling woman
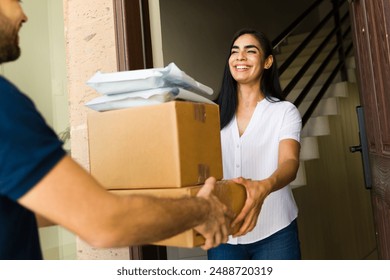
260 135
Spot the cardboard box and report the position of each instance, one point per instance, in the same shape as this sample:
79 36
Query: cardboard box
173 144
231 194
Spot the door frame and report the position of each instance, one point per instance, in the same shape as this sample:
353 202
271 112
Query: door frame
369 20
132 34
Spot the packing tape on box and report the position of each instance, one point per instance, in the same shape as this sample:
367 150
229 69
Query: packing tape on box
200 112
203 173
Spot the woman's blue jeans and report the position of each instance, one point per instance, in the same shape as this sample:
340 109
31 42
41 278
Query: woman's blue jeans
282 245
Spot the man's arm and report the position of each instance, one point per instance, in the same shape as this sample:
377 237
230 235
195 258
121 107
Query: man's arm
70 197
43 222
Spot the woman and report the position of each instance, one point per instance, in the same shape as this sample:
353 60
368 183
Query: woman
260 136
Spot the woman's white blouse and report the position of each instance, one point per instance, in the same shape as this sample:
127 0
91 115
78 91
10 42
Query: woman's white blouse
254 156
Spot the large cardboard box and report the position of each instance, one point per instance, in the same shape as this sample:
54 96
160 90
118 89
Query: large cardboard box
169 145
231 194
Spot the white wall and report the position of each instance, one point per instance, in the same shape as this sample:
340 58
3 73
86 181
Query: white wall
40 71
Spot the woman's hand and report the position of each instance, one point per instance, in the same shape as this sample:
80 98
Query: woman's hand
257 191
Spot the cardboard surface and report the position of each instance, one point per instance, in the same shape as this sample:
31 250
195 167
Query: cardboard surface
169 145
230 193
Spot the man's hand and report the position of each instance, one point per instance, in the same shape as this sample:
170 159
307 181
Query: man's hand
215 228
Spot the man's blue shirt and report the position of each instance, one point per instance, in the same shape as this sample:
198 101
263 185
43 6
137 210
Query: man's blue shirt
29 149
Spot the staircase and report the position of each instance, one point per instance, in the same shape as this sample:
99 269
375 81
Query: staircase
318 124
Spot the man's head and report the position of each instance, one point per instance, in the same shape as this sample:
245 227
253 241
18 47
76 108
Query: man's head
11 19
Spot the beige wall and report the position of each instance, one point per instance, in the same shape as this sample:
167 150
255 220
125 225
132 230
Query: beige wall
90 41
90 47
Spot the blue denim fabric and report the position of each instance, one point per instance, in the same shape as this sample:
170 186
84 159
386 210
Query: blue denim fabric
282 245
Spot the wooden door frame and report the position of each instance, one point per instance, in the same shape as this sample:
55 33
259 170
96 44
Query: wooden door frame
370 39
132 30
134 51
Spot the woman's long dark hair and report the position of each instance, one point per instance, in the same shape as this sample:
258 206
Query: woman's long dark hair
270 84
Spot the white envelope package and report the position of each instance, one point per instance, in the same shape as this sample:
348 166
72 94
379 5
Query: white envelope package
145 87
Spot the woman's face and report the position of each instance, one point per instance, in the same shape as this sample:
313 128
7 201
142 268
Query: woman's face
246 60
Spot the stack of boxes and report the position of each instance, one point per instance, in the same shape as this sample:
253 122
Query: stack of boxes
164 150
167 149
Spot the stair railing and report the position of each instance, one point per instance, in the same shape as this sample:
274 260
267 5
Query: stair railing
336 32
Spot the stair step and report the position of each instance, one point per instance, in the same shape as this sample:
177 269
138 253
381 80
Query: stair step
305 79
293 45
339 89
300 179
290 72
326 107
301 59
310 49
317 126
312 46
309 148
301 36
293 69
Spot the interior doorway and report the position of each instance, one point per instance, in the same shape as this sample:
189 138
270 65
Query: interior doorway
198 47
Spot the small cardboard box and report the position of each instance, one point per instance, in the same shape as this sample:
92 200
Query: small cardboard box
231 194
169 145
